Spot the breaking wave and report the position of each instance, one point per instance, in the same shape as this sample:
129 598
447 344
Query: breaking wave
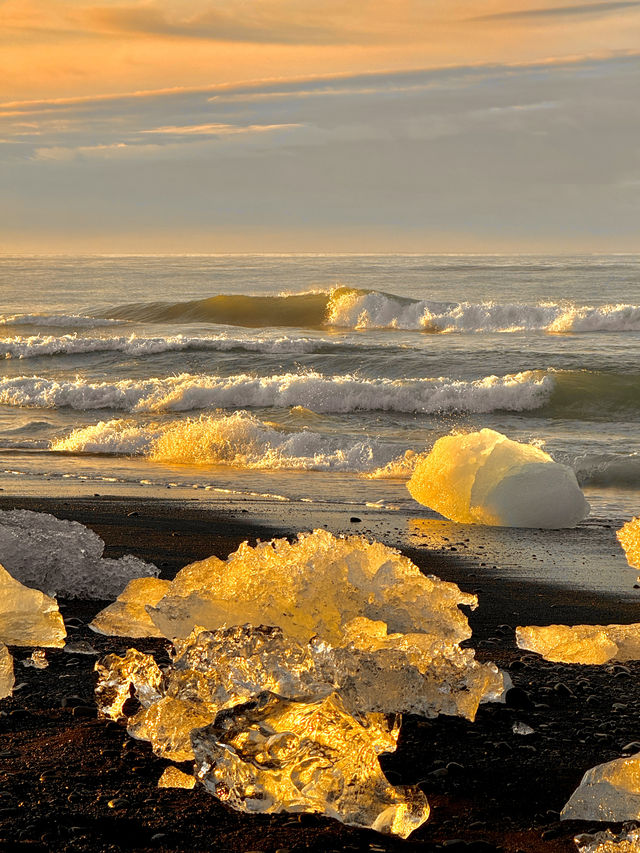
608 469
312 390
239 439
46 345
351 308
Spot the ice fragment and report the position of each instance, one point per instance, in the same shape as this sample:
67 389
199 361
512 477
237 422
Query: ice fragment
607 842
585 644
7 679
119 678
127 616
522 729
607 792
486 478
38 660
629 538
28 617
175 778
63 557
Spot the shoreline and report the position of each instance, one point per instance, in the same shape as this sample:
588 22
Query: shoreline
489 788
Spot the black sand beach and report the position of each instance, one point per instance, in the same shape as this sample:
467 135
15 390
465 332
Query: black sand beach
69 781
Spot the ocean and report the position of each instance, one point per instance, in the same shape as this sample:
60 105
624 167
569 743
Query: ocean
313 378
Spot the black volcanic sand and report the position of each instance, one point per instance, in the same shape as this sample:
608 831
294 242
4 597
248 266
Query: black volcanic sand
72 782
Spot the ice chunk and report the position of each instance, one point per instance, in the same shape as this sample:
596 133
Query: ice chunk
629 538
276 755
38 660
607 792
63 557
127 616
586 644
28 617
175 778
522 729
7 679
607 842
119 678
486 478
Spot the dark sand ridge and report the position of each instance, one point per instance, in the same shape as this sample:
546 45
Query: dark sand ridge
71 782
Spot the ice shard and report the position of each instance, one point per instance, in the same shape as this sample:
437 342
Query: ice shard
486 478
7 679
63 557
175 778
585 644
607 842
121 678
629 538
28 617
274 755
608 792
128 616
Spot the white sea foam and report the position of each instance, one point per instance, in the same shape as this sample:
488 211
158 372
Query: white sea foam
76 321
239 439
46 345
342 393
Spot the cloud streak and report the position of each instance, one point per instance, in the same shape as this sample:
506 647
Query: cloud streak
553 12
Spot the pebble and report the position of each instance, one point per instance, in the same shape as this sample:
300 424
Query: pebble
118 803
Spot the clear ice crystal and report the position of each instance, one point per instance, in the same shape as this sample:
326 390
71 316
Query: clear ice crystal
7 679
28 617
584 644
274 755
607 842
128 616
608 792
486 478
63 557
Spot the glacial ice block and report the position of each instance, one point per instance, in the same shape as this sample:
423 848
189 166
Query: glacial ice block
275 755
63 557
629 538
128 616
7 679
28 617
608 792
585 644
486 478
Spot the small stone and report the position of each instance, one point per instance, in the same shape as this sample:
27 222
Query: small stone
118 803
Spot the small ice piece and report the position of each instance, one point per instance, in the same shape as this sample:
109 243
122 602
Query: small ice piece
119 678
173 777
28 617
585 644
79 647
522 729
38 660
608 792
275 755
606 842
486 478
629 538
63 557
7 679
128 616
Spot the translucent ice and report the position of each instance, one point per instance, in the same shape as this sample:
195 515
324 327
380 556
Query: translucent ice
607 842
485 478
175 778
629 538
276 755
608 792
63 557
120 678
586 644
7 679
28 617
127 616
38 660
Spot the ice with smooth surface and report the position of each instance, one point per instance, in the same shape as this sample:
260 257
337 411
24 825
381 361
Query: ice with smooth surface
7 679
486 478
128 616
176 778
28 617
608 792
275 755
63 557
629 538
608 842
585 644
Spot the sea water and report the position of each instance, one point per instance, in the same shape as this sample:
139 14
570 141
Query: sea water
313 377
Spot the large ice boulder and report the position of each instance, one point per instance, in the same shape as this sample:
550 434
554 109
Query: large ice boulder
608 792
486 478
585 644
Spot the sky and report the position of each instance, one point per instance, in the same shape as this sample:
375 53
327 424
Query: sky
319 126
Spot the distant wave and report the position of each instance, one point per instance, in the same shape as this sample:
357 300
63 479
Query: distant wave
350 308
608 469
315 391
239 439
74 321
46 345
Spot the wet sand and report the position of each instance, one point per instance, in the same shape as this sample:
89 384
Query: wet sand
69 781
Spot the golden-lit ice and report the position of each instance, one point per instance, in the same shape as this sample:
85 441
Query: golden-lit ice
585 644
28 617
274 754
128 616
7 679
175 778
629 538
608 792
608 842
486 478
